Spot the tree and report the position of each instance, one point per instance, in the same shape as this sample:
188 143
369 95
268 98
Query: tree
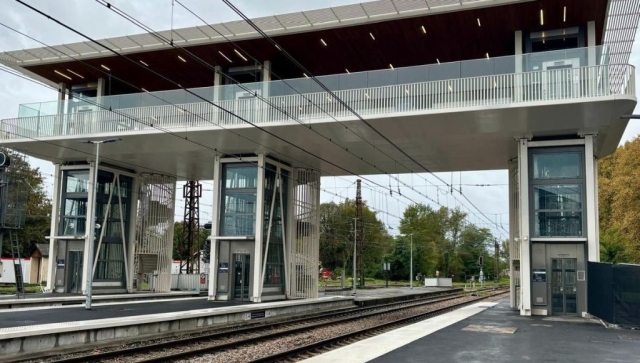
29 183
618 202
177 240
336 237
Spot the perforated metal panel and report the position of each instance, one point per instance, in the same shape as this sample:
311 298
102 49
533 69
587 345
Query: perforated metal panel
320 16
190 34
267 23
293 20
437 3
123 43
239 27
145 39
410 5
81 48
349 12
377 8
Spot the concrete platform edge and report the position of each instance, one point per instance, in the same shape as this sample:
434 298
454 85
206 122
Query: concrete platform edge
22 341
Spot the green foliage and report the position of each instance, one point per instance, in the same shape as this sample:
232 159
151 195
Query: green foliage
177 240
29 182
619 203
336 238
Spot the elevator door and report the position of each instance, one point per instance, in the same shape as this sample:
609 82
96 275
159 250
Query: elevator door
241 276
75 272
563 286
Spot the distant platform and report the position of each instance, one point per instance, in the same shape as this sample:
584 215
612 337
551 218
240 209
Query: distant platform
493 332
56 299
26 333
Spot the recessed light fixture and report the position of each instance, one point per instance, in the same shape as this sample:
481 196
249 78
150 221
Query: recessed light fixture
240 54
391 66
372 37
305 75
366 94
277 46
347 71
541 17
323 42
180 110
487 55
143 62
182 59
495 84
450 89
564 14
144 90
479 22
438 60
63 75
328 98
225 57
423 29
74 73
406 90
105 67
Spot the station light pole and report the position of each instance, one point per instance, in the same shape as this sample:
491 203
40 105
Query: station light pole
97 143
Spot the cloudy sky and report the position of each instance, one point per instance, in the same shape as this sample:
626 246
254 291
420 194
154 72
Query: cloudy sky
94 20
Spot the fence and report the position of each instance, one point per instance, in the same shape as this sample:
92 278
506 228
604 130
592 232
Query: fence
614 293
190 282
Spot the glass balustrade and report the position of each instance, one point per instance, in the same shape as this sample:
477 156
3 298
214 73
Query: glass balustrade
577 57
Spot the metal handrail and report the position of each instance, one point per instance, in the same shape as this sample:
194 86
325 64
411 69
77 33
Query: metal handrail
422 97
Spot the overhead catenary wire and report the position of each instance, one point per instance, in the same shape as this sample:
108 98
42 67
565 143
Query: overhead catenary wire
334 96
240 85
168 80
190 54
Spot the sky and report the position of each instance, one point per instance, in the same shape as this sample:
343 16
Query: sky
487 190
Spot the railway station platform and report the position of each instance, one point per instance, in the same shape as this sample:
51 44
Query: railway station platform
492 332
27 332
57 299
370 297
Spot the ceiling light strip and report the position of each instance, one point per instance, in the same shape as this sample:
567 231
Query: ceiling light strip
225 57
240 54
62 74
74 73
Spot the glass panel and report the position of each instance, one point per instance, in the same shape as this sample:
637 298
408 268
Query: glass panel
77 181
239 214
558 210
73 227
557 296
557 165
558 224
558 197
75 207
241 177
110 264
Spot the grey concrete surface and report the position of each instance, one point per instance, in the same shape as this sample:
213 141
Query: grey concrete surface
500 335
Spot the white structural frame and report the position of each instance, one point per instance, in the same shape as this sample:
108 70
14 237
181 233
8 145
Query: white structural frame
520 234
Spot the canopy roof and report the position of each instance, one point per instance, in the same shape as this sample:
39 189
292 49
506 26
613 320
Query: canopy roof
359 37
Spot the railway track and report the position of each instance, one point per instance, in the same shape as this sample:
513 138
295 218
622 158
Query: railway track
220 341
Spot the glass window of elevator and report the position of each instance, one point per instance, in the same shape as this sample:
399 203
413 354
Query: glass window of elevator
556 179
239 193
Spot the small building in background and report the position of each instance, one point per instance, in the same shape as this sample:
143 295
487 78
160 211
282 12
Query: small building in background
39 263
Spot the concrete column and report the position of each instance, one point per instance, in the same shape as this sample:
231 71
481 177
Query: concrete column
513 230
55 225
266 78
89 227
215 228
525 244
518 66
257 263
591 43
217 82
591 200
597 208
131 248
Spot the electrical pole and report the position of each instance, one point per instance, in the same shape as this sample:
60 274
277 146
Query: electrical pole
191 192
411 267
360 232
355 238
497 246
